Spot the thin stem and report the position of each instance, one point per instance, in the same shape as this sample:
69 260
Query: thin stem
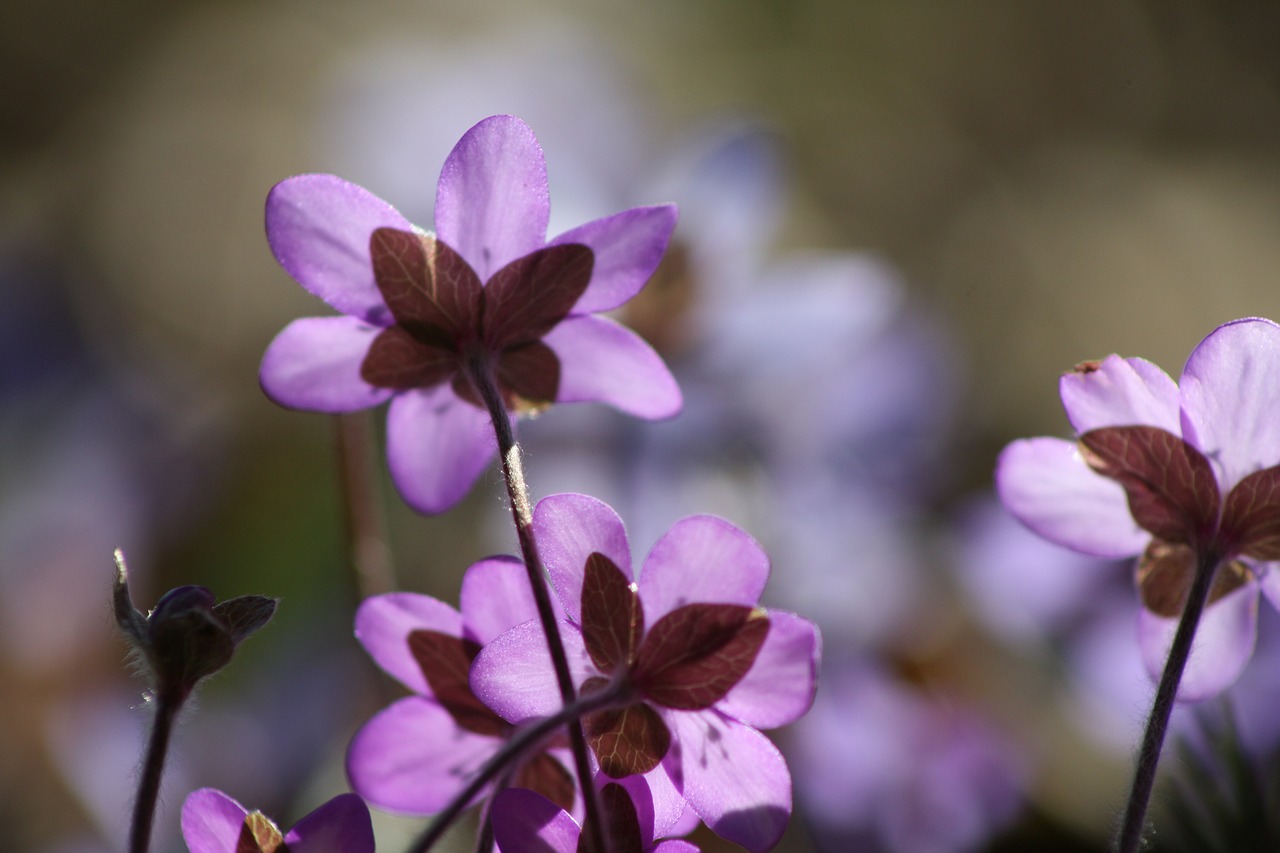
366 528
482 376
144 806
520 743
1129 837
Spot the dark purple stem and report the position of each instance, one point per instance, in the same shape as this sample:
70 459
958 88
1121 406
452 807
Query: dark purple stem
167 704
482 375
1129 837
366 531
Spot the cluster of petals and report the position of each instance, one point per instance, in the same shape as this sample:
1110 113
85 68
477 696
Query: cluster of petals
701 666
212 822
1178 472
416 755
486 290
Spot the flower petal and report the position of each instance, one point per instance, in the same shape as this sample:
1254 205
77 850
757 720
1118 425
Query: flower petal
1231 398
779 687
314 364
628 247
412 758
437 445
383 625
211 821
1223 644
513 675
525 822
318 227
603 362
569 528
491 203
702 559
496 597
1046 485
1120 392
733 776
342 825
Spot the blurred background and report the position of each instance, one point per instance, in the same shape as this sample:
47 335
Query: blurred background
900 222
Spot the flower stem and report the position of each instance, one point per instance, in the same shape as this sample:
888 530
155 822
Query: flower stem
1129 837
520 743
482 375
167 703
366 530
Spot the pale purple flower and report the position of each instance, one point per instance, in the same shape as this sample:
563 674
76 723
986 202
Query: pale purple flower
414 756
701 668
1190 473
212 822
526 822
421 310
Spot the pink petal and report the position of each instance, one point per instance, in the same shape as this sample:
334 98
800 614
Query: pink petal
628 247
603 362
496 597
314 364
732 775
779 687
383 625
342 825
525 822
569 528
513 674
702 559
1045 484
491 203
1231 398
1120 392
412 758
211 821
319 228
437 445
1223 644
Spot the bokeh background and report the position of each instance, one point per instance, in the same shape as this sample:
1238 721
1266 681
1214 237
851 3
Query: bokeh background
901 221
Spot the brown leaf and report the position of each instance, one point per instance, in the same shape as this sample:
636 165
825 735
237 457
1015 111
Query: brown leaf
527 298
548 777
1170 485
259 835
622 824
1165 574
695 654
628 740
396 359
529 376
1251 516
612 616
445 661
431 291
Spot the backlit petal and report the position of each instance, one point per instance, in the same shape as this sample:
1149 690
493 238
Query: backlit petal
628 247
603 362
342 825
1223 644
513 674
779 687
314 364
383 625
496 597
1120 392
211 821
702 559
437 445
569 528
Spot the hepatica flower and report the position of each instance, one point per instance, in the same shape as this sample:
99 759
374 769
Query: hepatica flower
416 755
695 665
423 312
1181 473
212 822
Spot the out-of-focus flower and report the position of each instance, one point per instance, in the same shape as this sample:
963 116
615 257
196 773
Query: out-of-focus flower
416 755
487 291
883 768
525 822
695 665
1180 473
212 822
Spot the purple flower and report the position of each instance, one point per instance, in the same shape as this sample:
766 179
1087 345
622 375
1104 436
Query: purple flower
486 291
1177 473
698 666
212 822
525 822
417 754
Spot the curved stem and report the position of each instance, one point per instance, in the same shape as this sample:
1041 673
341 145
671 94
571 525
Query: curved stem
482 376
366 529
144 806
520 743
1129 837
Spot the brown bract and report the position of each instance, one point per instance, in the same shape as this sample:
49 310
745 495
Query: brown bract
448 322
260 835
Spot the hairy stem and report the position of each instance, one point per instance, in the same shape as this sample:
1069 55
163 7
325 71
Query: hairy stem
366 529
482 375
167 703
520 744
1132 823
